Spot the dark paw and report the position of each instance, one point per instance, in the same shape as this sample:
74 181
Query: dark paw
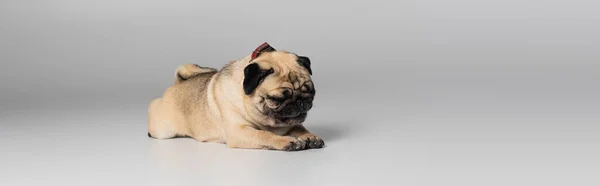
295 145
313 142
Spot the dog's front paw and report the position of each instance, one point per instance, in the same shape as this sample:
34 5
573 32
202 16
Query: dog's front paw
312 141
293 144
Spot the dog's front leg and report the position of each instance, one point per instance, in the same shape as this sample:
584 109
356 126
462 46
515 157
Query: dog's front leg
243 136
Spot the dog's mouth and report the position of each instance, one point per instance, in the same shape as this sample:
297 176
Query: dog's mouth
297 118
286 117
290 113
293 116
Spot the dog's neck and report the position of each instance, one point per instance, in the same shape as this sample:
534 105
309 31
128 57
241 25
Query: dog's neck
234 69
232 75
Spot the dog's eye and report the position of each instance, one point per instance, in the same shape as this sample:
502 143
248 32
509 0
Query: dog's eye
305 88
281 95
277 99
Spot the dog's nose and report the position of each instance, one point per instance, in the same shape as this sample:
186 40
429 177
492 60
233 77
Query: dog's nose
303 105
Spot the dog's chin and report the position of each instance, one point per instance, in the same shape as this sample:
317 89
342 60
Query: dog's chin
294 120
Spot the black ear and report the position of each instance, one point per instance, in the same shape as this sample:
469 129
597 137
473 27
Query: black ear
253 76
305 62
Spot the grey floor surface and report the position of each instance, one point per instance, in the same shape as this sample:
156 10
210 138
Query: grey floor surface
428 133
466 93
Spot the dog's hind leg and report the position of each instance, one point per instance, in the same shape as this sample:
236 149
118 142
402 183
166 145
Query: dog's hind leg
161 123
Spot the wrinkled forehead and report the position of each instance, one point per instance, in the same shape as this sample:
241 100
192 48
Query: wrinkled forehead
286 68
283 63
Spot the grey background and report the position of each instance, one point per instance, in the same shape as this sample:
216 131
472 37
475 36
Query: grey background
413 92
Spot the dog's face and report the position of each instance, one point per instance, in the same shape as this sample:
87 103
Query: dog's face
279 87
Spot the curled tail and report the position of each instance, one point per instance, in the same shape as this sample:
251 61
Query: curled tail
185 72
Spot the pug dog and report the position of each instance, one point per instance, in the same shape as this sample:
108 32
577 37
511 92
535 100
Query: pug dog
257 102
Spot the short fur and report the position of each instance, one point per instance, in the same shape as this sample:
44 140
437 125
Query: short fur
221 106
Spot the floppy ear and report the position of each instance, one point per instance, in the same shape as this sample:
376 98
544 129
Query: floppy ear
305 62
253 76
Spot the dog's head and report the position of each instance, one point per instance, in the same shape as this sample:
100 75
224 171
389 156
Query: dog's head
279 86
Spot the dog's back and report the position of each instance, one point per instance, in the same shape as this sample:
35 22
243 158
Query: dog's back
168 116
